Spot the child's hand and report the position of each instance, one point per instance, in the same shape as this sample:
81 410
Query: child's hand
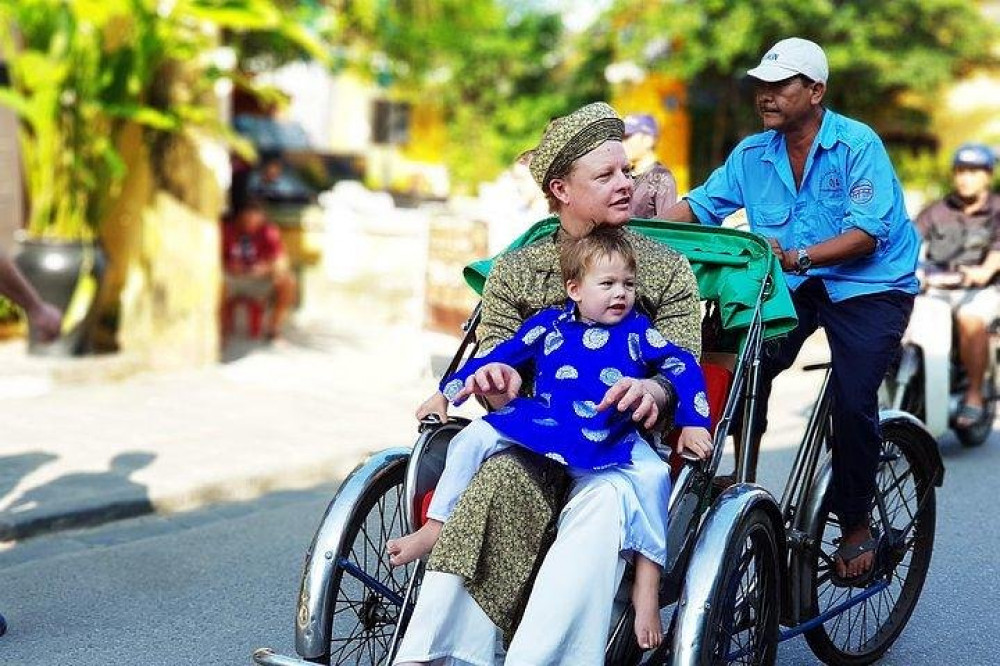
497 380
437 405
696 441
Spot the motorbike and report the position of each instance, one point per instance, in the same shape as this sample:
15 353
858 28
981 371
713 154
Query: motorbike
929 380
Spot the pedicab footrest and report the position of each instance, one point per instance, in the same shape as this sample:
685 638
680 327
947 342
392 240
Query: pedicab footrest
268 657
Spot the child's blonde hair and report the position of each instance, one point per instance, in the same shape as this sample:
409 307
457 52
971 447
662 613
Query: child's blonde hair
577 255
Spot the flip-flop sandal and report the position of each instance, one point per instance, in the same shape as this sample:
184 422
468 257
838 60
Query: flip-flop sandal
969 416
846 554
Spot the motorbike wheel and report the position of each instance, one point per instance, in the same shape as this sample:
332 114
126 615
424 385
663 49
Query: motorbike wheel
743 624
978 433
363 619
862 633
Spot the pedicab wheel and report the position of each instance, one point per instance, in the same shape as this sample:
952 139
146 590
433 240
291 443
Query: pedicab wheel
742 627
363 618
979 432
862 633
623 649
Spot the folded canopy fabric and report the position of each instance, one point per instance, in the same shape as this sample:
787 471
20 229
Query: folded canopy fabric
730 266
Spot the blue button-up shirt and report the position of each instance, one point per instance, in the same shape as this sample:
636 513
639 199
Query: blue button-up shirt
848 183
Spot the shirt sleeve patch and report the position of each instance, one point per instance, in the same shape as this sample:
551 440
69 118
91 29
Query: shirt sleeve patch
862 192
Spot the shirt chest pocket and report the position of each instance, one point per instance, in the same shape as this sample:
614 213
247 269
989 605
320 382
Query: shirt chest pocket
769 217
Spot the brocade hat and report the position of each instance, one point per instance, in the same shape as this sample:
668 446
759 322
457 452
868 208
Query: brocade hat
570 137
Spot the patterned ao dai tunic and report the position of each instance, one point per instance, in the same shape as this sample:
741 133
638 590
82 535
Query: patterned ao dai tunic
575 364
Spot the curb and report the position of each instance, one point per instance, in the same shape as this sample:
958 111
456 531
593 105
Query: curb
72 515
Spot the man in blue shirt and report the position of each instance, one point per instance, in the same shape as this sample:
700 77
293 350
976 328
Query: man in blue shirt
821 188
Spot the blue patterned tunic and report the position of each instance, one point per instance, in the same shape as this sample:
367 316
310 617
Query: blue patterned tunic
575 364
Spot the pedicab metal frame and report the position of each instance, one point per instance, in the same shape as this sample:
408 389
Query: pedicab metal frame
692 574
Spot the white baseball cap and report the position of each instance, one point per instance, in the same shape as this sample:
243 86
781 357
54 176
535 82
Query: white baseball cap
790 57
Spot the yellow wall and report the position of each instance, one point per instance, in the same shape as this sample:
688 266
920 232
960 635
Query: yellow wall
666 100
428 133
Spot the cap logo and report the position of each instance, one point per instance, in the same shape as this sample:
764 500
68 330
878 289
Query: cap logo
771 56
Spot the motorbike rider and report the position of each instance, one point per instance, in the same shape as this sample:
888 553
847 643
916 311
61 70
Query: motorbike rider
961 235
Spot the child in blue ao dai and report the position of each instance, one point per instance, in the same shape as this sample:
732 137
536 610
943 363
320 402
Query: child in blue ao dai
581 349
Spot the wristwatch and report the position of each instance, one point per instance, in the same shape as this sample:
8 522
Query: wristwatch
803 262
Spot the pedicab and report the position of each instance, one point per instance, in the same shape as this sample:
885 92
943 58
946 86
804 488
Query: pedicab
740 565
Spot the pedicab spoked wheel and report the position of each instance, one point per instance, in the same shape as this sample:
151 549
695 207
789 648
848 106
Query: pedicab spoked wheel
979 432
364 618
743 621
862 633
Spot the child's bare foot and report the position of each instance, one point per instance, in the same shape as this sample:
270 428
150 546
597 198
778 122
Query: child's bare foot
648 630
414 546
646 601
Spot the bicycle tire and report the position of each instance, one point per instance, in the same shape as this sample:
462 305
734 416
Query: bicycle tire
362 621
742 626
863 633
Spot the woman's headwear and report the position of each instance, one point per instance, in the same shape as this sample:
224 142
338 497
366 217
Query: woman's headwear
570 137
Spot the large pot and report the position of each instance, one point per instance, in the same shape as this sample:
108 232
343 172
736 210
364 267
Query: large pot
67 275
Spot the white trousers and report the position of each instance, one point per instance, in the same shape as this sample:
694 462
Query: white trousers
467 452
568 615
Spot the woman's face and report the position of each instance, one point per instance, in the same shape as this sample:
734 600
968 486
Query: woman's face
597 191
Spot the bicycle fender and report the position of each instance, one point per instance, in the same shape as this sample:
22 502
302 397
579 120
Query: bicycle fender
704 573
312 619
921 432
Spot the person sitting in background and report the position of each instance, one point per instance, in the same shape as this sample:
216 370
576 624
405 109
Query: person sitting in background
962 249
655 189
255 265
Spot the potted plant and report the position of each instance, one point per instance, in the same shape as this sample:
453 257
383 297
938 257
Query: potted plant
84 78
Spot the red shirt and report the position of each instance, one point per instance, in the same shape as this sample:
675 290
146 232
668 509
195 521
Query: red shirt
246 249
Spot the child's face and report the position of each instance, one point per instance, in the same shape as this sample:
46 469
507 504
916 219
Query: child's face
607 291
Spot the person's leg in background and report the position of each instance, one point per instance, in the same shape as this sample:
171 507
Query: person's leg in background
864 333
973 317
285 292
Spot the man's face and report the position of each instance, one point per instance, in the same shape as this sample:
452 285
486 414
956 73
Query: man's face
785 105
597 191
971 182
251 219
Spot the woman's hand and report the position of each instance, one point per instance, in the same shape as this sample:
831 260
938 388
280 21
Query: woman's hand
497 382
436 405
696 441
644 397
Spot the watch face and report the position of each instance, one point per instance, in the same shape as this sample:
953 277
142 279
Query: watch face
804 261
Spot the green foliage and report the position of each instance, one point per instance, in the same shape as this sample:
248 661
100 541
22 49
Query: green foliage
9 312
499 70
884 56
84 70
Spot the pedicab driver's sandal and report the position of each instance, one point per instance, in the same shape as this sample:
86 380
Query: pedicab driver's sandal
847 554
969 415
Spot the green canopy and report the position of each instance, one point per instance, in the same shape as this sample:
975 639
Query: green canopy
730 266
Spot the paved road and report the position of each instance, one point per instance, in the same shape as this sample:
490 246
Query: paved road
209 586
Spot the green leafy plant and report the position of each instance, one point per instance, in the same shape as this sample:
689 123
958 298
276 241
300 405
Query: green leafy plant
83 71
